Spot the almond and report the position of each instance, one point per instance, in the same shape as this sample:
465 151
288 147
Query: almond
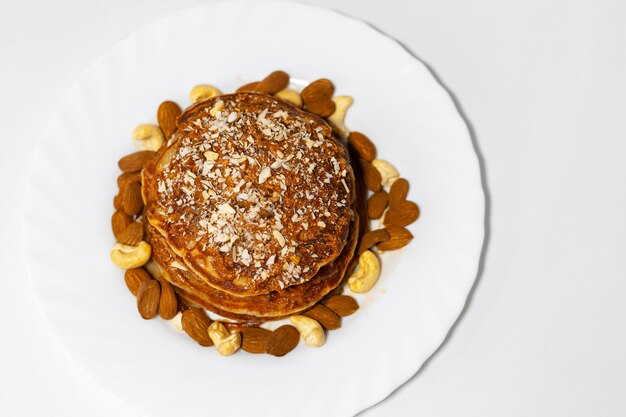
282 340
168 303
398 238
325 316
132 235
317 97
371 176
135 161
167 115
128 177
402 214
134 278
132 201
196 324
148 298
247 87
117 202
254 339
377 204
119 222
342 305
363 145
372 238
273 83
399 191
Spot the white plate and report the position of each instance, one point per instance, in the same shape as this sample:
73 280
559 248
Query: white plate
398 103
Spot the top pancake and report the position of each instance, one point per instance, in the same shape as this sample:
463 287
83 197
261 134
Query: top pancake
253 194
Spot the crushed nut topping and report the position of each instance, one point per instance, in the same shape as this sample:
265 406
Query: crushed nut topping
248 181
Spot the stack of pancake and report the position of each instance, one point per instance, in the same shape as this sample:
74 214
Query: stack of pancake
251 207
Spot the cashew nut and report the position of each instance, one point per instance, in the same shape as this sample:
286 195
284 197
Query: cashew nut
290 96
366 273
203 92
150 137
153 268
129 257
381 221
336 119
310 330
225 342
388 172
177 321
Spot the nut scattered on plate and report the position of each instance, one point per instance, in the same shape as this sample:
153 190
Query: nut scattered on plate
255 206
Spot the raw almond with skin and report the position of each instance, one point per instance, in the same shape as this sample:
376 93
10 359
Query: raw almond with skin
128 177
282 340
377 204
132 235
254 339
119 222
167 114
399 237
135 161
132 201
273 83
371 176
134 278
363 146
148 298
398 192
402 214
372 238
196 324
317 97
117 202
248 87
168 303
325 316
342 305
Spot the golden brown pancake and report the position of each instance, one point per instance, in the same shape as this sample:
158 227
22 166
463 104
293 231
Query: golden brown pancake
271 306
254 195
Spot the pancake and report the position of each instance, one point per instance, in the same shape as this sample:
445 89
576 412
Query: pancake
271 306
253 198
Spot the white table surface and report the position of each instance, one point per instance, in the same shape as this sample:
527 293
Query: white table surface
542 84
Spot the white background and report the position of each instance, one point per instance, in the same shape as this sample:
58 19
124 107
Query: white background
541 84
